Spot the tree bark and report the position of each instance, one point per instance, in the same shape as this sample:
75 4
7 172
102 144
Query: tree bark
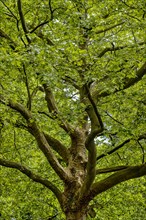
79 215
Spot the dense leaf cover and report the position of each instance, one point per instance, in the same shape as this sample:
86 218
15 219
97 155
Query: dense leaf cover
72 98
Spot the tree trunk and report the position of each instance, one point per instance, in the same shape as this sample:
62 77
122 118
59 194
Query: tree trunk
75 216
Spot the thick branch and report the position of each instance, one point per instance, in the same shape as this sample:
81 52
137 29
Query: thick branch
114 179
113 150
20 108
46 149
112 49
40 138
51 103
98 125
96 128
143 136
57 146
111 169
126 84
92 111
52 107
140 73
107 49
24 26
91 169
33 176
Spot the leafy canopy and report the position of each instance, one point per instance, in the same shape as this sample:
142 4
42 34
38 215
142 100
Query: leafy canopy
51 52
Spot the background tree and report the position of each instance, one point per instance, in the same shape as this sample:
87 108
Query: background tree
72 100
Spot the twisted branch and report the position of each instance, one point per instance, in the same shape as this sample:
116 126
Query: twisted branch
33 176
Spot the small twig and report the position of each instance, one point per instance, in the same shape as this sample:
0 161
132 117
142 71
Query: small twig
71 81
23 42
4 35
51 10
27 87
109 28
129 6
113 150
131 16
110 49
39 25
114 118
52 217
15 145
142 149
44 113
34 92
9 10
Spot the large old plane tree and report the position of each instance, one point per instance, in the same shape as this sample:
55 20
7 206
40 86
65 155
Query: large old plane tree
73 80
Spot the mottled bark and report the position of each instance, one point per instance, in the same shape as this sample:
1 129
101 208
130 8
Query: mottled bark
75 216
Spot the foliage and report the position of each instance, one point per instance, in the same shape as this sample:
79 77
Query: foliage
73 108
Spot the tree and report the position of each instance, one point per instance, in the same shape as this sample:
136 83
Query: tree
72 96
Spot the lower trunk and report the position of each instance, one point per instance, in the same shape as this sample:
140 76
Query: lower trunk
75 216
